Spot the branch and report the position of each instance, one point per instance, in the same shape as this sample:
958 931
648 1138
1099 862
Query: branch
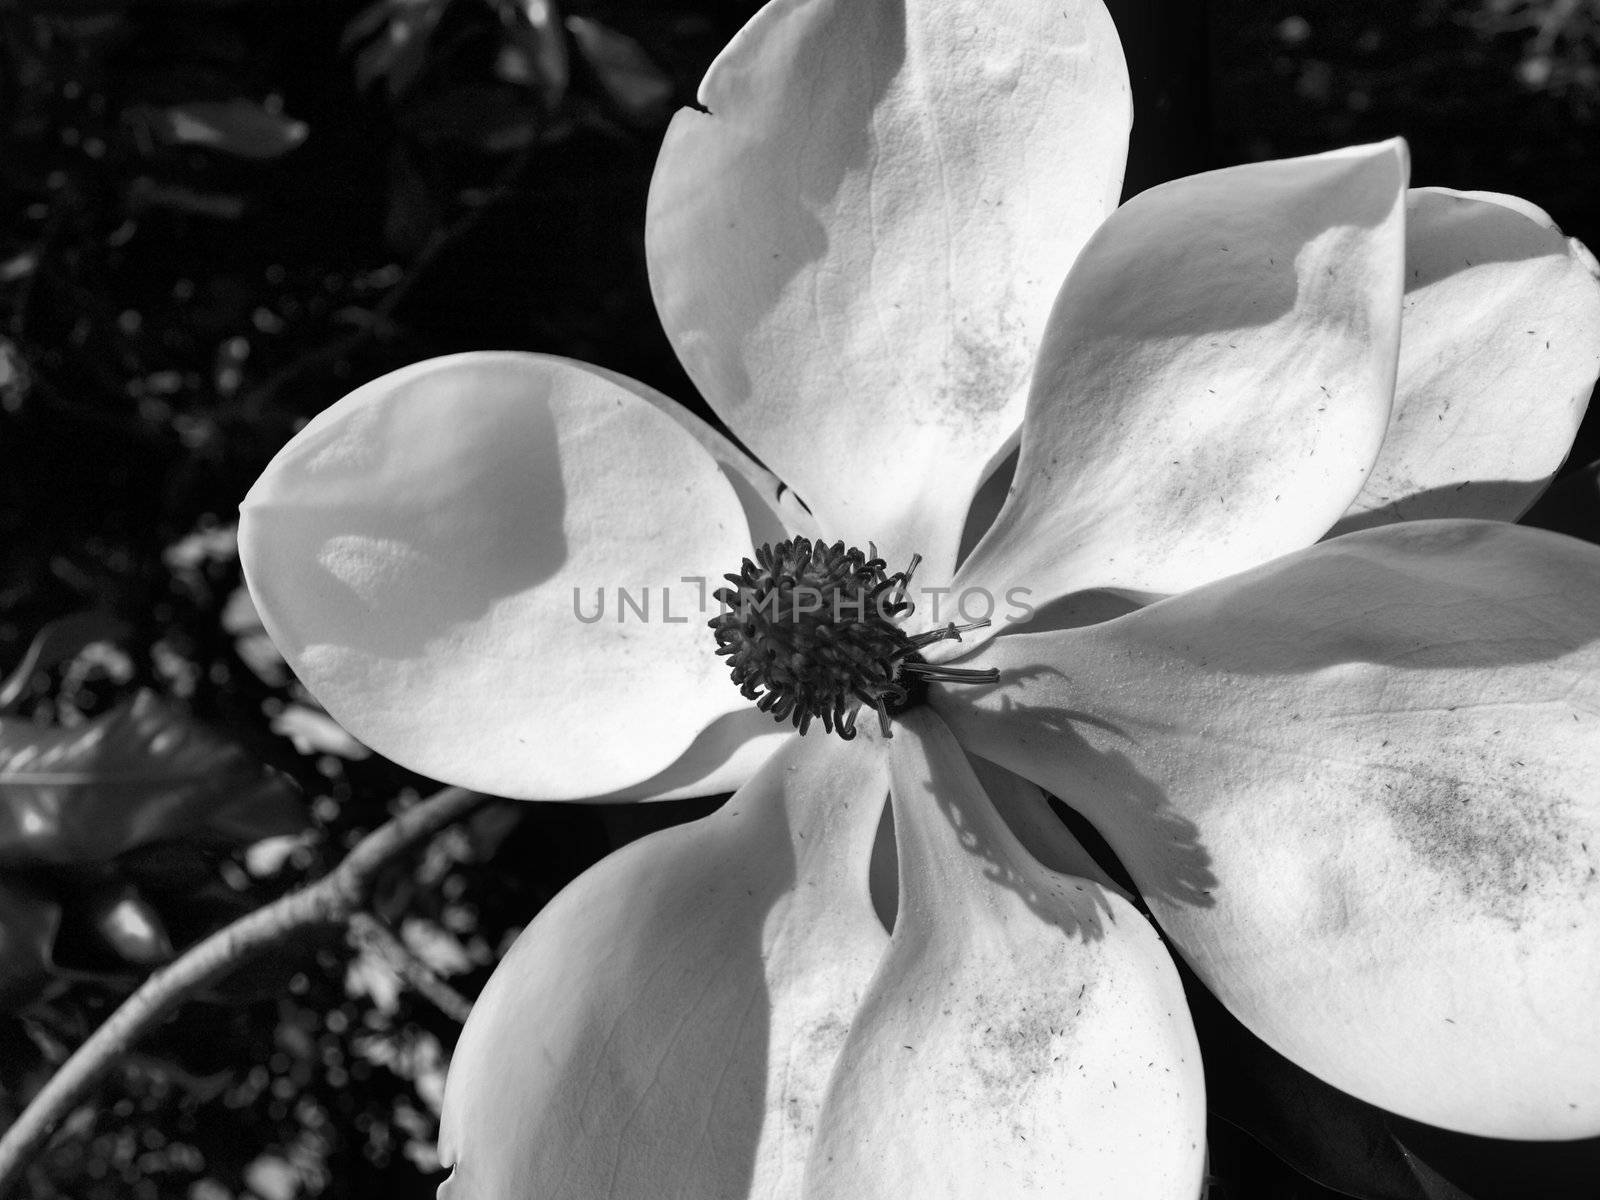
334 899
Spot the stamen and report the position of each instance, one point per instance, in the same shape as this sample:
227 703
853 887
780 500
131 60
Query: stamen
883 717
812 632
948 632
938 674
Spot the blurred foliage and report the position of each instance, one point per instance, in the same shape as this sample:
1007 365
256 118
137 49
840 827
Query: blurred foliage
1493 95
224 213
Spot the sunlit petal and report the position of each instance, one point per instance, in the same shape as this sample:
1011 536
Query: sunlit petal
666 1025
430 555
1214 382
1499 349
725 756
771 508
854 251
1026 1034
1357 788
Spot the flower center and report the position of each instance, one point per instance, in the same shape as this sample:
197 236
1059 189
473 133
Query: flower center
812 632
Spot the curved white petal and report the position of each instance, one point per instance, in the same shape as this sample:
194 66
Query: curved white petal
427 553
725 756
1026 1034
1214 382
1357 788
1027 814
1499 350
855 249
772 508
663 1030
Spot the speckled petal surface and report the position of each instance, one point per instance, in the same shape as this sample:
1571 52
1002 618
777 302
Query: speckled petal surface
854 249
1499 349
663 1030
1357 788
1026 1034
1215 380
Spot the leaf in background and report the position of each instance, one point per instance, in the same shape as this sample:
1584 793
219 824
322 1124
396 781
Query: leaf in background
412 215
396 33
16 377
56 642
538 45
1330 1137
170 868
1571 506
1355 1148
639 88
238 127
1496 1168
144 192
28 923
1434 1185
141 773
129 927
315 732
492 118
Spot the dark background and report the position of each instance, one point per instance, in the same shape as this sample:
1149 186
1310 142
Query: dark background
216 217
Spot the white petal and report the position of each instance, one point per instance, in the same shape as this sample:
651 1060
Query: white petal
422 551
1215 380
723 758
1027 814
1026 1034
1499 350
772 509
665 1027
855 250
1357 788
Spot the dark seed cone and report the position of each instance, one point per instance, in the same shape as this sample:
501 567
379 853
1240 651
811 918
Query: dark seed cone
810 634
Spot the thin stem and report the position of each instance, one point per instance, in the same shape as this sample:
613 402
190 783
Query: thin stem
332 900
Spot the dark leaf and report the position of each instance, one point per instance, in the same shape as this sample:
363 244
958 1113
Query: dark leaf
364 24
540 47
396 33
130 928
1328 1136
28 923
639 88
170 868
238 127
145 192
57 642
1360 1150
495 119
1458 1164
1434 1185
1571 506
412 216
488 828
141 773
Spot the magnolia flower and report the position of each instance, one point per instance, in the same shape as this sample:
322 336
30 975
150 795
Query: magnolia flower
1336 717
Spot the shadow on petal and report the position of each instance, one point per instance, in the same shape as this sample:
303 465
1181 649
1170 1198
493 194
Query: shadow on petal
725 755
1387 743
435 554
1005 1048
1390 580
375 500
1128 807
666 1025
1489 499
